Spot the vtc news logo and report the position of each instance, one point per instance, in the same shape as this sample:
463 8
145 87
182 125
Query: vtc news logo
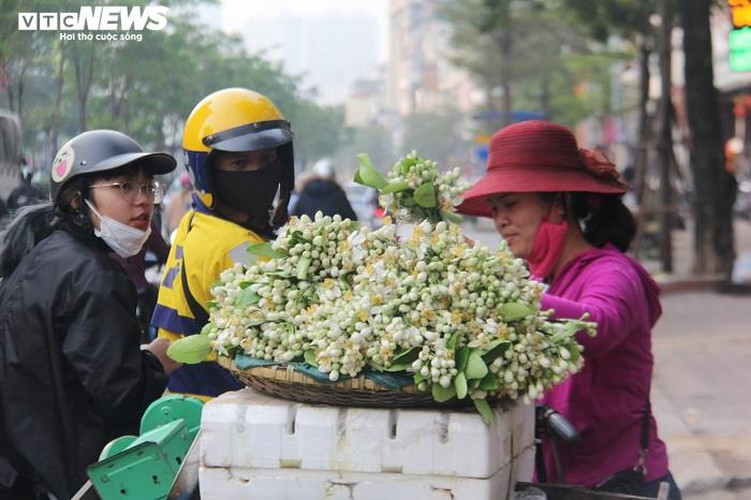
100 18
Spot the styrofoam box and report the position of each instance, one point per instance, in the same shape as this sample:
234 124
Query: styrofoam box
274 448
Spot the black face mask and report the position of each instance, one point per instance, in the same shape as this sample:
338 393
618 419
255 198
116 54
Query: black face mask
251 193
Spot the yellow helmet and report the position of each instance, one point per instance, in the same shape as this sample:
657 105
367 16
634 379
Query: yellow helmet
235 120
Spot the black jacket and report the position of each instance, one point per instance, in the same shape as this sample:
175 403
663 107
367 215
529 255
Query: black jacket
72 376
326 196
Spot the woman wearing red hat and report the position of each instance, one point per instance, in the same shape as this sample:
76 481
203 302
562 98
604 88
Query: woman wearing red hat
559 208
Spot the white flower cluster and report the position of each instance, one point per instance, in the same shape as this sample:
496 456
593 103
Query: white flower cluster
464 321
418 177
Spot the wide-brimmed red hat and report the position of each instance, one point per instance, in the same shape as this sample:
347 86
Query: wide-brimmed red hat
537 157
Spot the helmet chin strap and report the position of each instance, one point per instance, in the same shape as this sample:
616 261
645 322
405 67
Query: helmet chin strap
243 219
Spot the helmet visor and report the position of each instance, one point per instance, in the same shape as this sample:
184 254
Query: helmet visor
250 137
154 163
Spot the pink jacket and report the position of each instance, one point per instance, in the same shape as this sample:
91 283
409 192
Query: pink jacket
605 400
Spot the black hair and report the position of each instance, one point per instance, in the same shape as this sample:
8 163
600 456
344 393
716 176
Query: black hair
605 219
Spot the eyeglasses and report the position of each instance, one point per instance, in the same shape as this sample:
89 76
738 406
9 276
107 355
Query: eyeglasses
131 191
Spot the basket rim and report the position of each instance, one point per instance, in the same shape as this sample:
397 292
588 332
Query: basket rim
286 373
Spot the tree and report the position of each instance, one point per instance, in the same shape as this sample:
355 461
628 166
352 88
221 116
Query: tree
629 20
374 140
714 187
321 130
433 135
520 53
492 40
63 87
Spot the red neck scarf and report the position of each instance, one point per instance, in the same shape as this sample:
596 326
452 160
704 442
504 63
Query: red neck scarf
547 248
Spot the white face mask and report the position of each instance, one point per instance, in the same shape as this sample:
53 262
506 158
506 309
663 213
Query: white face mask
125 240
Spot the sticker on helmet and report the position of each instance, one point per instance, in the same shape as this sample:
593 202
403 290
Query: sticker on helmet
63 164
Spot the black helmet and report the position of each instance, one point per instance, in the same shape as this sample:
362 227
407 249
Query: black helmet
99 151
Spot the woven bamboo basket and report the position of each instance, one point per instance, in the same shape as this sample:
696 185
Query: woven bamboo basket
285 382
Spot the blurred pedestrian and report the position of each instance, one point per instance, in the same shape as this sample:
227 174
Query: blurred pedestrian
72 375
322 193
560 209
25 193
239 154
179 203
3 214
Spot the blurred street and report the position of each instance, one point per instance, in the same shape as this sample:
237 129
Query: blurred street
702 348
700 396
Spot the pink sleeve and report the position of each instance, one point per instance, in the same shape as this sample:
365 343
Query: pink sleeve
612 300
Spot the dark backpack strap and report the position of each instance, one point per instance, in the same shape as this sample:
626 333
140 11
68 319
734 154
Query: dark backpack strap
645 426
199 313
644 440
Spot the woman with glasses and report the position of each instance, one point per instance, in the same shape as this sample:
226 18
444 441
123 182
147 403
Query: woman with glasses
72 375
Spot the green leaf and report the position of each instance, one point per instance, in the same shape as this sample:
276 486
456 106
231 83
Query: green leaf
575 352
302 268
483 408
310 357
425 196
247 297
296 237
460 384
490 382
407 356
395 187
367 174
265 250
451 217
476 367
190 350
442 394
375 366
571 329
462 354
496 348
514 311
407 201
397 367
453 340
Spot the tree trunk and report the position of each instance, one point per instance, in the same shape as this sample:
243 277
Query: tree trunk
714 187
506 46
665 145
59 79
84 71
545 97
640 174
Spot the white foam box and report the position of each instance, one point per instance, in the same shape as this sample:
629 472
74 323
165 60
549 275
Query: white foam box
256 446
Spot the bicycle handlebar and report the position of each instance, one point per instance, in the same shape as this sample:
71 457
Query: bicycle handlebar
558 424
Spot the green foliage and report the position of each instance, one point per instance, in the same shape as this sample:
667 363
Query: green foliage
534 55
434 135
190 350
147 88
517 49
604 18
374 140
321 130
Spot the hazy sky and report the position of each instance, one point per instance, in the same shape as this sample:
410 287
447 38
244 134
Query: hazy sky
332 42
238 11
